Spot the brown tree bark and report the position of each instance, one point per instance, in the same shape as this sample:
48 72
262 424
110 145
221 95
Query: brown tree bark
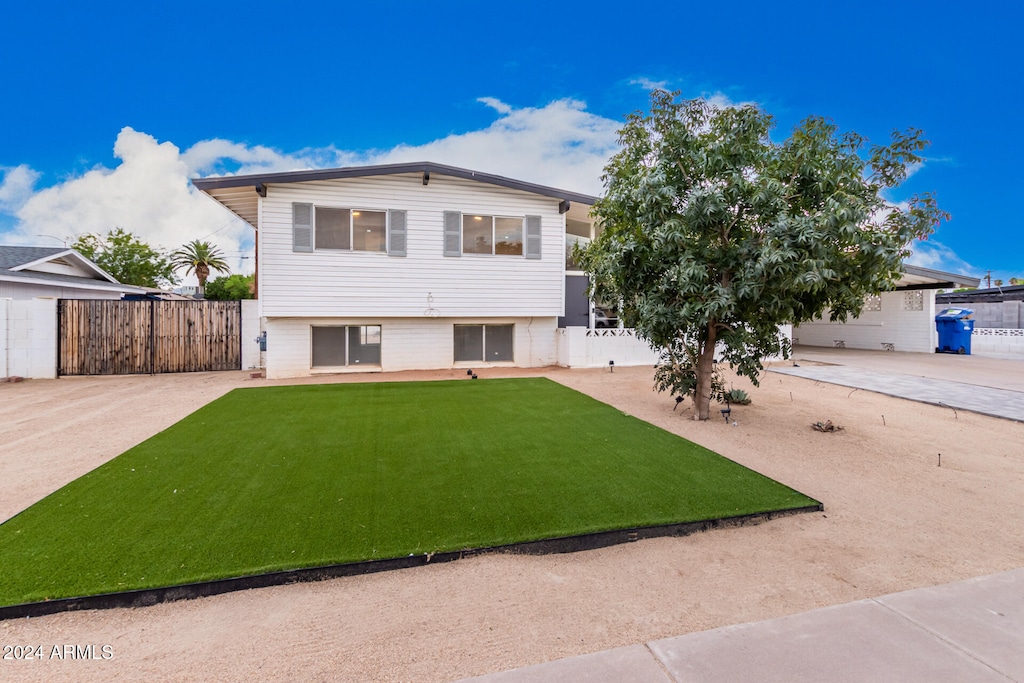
705 371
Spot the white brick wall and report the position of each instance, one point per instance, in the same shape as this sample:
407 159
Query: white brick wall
28 338
251 328
579 347
905 330
406 343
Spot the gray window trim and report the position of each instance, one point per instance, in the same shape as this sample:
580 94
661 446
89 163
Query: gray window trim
532 237
302 232
398 232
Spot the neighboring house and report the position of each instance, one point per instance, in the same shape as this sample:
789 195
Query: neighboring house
405 266
899 320
58 272
32 279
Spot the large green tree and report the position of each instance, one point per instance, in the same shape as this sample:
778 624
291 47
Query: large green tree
713 234
231 288
199 258
126 257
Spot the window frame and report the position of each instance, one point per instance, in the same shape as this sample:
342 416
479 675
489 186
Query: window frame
494 231
483 344
363 331
352 211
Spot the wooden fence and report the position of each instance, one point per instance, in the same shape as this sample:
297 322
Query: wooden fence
96 337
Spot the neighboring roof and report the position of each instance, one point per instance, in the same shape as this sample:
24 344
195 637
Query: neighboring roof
17 264
12 257
916 277
992 295
240 193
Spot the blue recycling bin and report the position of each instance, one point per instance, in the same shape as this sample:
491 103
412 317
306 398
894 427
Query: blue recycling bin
954 331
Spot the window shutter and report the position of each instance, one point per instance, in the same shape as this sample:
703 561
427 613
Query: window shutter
302 227
396 236
452 233
533 237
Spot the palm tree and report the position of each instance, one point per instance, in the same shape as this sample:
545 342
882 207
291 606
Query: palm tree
199 258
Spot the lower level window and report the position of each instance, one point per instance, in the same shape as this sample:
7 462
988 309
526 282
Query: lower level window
485 343
346 345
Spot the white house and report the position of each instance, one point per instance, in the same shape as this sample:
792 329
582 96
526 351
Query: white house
32 279
405 266
58 272
899 320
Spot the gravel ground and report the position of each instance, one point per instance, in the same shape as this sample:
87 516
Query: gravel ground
893 521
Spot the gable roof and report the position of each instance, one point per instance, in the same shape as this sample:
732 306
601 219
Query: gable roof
241 193
19 264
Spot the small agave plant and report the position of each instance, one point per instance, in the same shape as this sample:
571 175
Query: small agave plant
737 396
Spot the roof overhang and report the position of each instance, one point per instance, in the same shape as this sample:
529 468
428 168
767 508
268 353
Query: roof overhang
241 193
81 283
916 277
74 256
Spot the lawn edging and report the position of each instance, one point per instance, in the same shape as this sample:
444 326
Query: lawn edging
153 596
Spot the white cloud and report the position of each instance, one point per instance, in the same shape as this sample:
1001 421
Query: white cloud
16 187
560 144
649 84
148 192
937 256
495 104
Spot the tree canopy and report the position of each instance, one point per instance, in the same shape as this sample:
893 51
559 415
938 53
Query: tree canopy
713 234
230 288
199 258
127 258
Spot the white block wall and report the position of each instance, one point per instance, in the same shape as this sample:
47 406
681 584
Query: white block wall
998 342
906 330
28 338
580 347
251 329
406 343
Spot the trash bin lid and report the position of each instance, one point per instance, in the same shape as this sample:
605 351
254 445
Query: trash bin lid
953 314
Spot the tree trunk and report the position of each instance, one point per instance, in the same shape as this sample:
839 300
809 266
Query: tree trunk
202 272
705 371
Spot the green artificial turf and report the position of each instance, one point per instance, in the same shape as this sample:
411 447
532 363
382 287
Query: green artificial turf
276 478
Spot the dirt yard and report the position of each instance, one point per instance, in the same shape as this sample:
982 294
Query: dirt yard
893 520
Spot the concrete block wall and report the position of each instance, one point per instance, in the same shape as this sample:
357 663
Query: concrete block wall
28 338
580 347
904 330
998 342
406 343
251 330
1006 315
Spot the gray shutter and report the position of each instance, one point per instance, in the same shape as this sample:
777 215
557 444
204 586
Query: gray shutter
302 227
533 237
452 233
396 234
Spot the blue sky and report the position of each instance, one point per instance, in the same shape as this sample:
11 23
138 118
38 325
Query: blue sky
108 108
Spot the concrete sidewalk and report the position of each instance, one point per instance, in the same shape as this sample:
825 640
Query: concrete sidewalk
971 630
979 399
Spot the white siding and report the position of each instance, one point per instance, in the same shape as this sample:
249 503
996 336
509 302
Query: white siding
406 343
25 290
905 330
354 284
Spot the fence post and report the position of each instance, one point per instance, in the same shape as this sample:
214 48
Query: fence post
152 337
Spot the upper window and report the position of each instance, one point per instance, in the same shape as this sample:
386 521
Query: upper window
348 229
474 233
353 229
492 235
